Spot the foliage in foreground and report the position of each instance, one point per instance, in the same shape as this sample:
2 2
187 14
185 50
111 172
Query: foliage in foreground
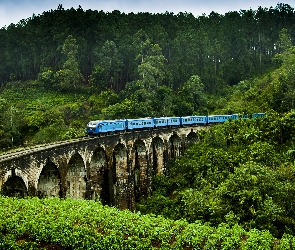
78 224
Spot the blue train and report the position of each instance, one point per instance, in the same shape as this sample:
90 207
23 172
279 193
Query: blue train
110 126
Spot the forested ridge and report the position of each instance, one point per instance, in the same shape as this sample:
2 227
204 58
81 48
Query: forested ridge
65 67
114 48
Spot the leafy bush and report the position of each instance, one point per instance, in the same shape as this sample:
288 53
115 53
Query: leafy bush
79 224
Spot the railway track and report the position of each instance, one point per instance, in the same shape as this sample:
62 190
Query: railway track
22 151
18 152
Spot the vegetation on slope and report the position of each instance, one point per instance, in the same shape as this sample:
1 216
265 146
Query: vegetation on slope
240 172
274 90
71 224
65 67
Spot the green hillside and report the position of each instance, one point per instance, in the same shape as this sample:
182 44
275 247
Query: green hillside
63 68
234 189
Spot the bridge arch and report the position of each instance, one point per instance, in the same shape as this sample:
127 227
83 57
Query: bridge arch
174 146
49 181
14 187
157 148
190 139
140 168
76 178
120 162
98 176
120 170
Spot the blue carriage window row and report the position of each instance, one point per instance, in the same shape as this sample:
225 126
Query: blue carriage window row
105 126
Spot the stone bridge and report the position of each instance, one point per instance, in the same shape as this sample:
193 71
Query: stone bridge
115 169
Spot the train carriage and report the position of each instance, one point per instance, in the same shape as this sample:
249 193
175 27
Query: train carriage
173 121
161 122
193 120
141 123
237 116
106 126
167 121
218 118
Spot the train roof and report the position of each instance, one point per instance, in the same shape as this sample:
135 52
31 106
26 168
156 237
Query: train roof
139 119
167 117
188 116
219 115
103 121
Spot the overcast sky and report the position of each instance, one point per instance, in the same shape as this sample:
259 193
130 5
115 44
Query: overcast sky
12 11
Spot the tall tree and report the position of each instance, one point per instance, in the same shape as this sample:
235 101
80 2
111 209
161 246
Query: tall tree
71 75
151 68
107 71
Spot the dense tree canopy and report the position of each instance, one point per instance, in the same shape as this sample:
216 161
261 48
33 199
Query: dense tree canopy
63 68
115 48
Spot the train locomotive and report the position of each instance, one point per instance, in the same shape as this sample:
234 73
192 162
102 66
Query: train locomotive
99 127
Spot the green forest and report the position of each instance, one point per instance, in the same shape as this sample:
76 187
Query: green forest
63 68
233 189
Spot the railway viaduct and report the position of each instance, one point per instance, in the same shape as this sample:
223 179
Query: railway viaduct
115 169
